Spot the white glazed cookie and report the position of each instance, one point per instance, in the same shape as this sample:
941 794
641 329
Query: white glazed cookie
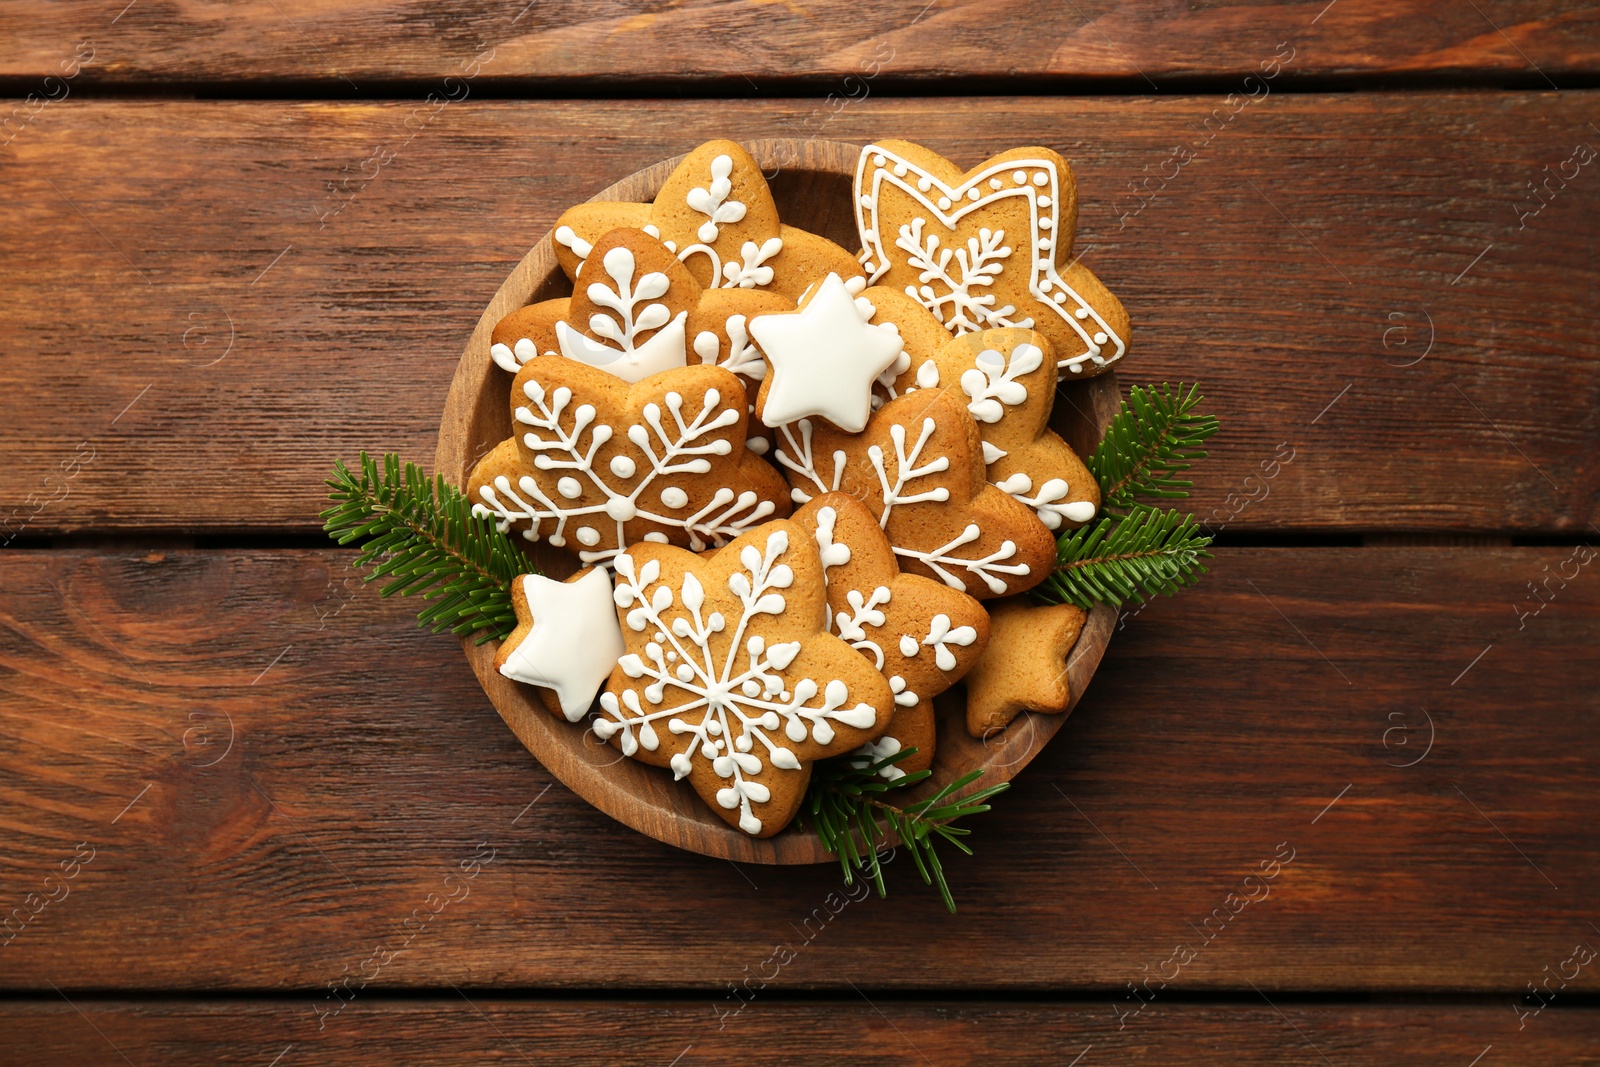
716 214
920 634
824 357
986 248
730 678
567 640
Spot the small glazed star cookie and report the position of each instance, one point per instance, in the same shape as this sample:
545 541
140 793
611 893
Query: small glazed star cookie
567 641
604 464
825 358
639 313
1007 380
919 467
920 634
716 214
1025 666
730 678
984 249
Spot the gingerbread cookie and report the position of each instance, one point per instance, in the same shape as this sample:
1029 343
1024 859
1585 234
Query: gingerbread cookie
824 357
919 467
730 678
920 634
986 248
1007 379
1025 666
641 312
606 464
716 214
567 641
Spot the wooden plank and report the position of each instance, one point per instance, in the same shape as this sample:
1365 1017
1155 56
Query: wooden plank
751 46
474 1027
193 325
275 775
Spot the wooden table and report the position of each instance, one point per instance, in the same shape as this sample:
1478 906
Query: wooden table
242 241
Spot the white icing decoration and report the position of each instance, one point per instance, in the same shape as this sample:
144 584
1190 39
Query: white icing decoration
960 306
993 453
1050 502
512 358
574 642
795 452
941 634
580 248
973 261
625 357
680 448
714 203
824 358
873 751
928 375
733 718
991 384
744 358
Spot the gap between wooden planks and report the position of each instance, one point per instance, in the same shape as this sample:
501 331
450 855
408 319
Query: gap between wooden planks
343 48
229 297
272 771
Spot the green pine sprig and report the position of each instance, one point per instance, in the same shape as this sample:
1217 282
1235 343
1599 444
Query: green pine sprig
1153 440
1147 552
1135 550
847 804
420 534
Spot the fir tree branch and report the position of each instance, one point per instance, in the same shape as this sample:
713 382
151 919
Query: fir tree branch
420 534
847 806
1147 552
1153 440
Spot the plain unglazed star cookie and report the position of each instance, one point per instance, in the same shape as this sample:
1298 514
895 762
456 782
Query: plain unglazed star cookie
730 678
991 247
1025 666
919 467
716 214
566 642
639 312
1007 380
920 634
596 464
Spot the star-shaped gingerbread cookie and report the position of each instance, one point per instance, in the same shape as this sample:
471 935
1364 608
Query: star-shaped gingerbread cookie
991 247
716 214
919 467
1025 666
605 464
566 641
730 677
920 634
824 357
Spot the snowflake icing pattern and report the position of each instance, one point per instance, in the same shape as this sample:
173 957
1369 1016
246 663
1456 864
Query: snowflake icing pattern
740 715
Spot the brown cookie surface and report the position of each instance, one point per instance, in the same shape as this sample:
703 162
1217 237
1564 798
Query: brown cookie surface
730 677
989 247
921 635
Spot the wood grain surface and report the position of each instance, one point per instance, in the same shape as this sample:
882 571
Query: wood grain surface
478 1027
1345 275
345 47
281 782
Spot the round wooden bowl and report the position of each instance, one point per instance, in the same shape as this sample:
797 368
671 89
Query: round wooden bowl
812 187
